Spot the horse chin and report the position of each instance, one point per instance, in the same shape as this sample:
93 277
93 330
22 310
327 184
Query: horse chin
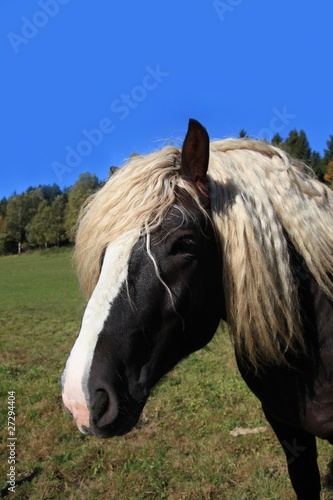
110 431
123 424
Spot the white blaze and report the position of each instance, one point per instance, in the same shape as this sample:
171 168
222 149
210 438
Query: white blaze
76 374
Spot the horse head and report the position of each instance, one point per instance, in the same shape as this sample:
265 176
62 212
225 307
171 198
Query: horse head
157 299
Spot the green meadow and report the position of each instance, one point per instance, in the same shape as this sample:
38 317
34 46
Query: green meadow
182 447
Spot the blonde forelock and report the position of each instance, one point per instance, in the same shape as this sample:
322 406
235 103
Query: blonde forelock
133 201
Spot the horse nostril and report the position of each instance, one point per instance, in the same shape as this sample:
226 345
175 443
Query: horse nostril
100 406
84 429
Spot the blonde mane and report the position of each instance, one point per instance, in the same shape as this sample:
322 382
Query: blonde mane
261 200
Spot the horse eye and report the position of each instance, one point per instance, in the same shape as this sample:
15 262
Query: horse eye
184 245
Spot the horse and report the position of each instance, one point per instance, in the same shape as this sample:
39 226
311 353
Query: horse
182 238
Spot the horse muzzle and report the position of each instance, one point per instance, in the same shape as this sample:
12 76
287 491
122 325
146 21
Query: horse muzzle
107 415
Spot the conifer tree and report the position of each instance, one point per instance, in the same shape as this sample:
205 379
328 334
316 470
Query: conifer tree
242 134
277 140
297 145
328 152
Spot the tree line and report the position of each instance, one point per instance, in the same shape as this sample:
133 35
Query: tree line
44 216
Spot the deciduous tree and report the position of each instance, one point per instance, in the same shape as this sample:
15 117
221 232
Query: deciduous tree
17 218
84 187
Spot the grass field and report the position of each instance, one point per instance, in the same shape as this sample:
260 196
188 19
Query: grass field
182 447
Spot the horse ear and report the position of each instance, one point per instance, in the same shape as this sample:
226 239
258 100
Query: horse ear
195 155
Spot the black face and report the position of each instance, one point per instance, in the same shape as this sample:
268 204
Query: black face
169 307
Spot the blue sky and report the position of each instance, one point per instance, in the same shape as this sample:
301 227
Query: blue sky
84 84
